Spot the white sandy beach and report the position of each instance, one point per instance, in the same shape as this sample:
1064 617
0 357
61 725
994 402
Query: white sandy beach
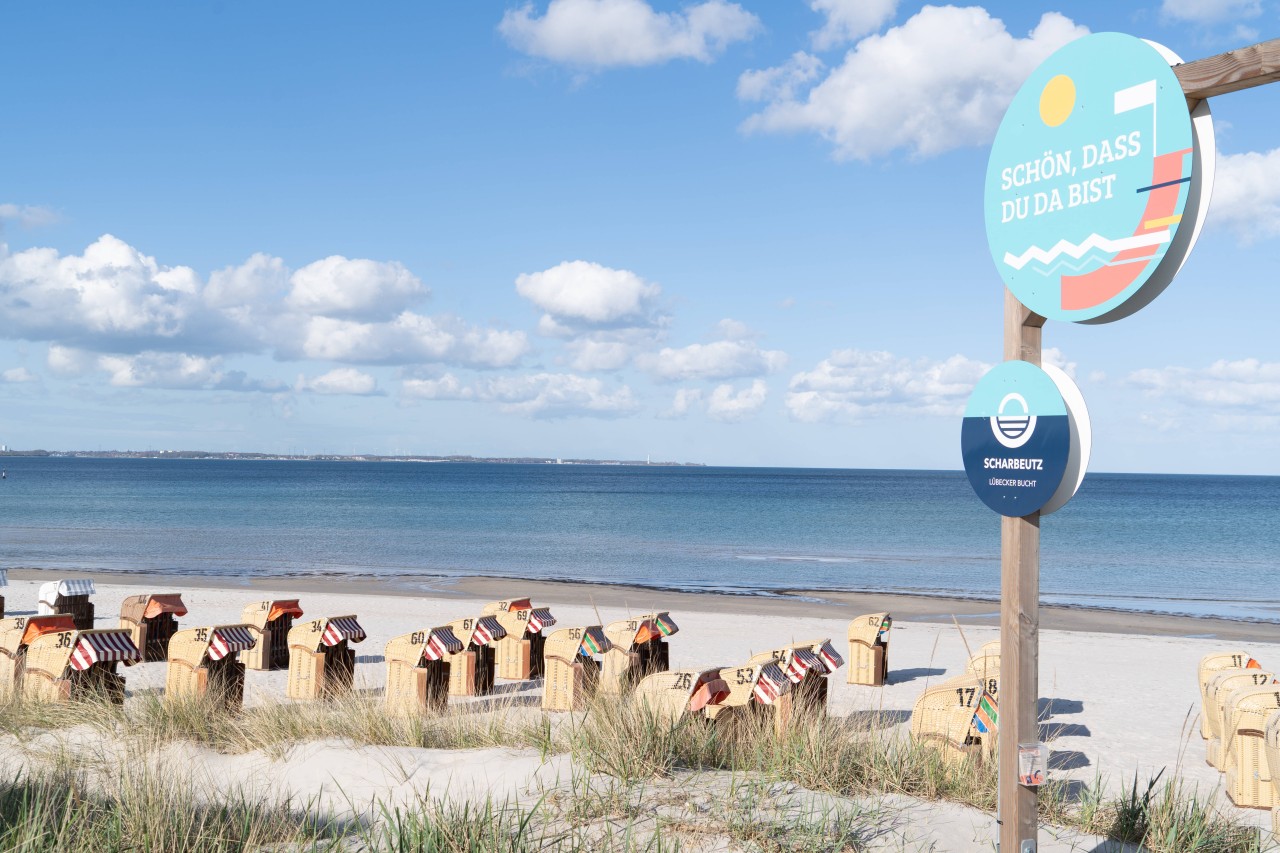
1113 703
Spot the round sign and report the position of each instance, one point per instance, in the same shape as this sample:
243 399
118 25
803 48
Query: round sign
1016 438
1081 439
1096 188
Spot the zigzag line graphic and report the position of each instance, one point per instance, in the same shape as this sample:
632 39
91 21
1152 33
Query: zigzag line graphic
1077 250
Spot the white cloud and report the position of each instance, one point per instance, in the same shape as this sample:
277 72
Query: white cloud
685 399
1246 195
852 384
354 289
554 395
719 360
589 354
1210 11
408 339
68 361
781 82
939 81
609 33
178 371
585 292
27 215
1058 359
341 380
259 281
849 19
18 375
727 404
447 387
1245 384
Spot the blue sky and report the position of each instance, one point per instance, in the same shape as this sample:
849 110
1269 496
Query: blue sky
737 233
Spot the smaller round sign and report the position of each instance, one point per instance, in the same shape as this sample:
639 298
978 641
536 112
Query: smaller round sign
1016 439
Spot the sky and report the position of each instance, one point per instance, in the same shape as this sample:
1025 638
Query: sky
732 233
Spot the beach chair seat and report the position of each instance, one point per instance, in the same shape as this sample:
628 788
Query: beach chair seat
672 695
572 671
69 597
204 663
1223 683
638 647
959 715
1248 773
270 621
73 666
1209 665
151 619
522 652
473 669
869 649
321 661
16 634
418 667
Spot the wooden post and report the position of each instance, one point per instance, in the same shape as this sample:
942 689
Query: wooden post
1019 621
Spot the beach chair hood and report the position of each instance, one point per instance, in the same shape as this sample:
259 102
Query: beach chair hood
53 590
136 608
214 642
478 631
870 628
568 643
625 634
261 613
101 646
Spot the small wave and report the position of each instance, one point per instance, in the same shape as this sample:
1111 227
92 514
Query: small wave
794 558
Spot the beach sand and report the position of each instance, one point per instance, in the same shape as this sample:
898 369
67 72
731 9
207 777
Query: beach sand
1118 690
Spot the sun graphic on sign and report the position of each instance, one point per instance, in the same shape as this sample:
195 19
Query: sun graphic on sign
1057 100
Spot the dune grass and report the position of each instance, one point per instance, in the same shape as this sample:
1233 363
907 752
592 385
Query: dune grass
859 756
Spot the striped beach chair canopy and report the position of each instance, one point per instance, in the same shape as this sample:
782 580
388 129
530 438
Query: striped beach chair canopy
213 643
487 630
594 642
342 628
769 683
440 643
228 640
799 659
539 618
90 647
627 633
53 590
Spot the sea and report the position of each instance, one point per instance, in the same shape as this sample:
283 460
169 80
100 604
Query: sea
1197 545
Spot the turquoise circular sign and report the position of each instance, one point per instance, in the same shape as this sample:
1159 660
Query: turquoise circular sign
1016 438
1089 180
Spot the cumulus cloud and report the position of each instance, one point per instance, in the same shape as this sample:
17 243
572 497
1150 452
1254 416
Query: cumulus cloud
446 387
684 400
1247 384
1210 11
113 299
556 395
354 289
178 371
581 292
407 339
609 33
849 19
1058 359
18 375
738 356
1246 195
851 384
730 405
27 215
341 380
591 354
911 89
782 82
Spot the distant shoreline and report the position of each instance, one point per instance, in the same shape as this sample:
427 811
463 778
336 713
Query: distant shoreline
333 457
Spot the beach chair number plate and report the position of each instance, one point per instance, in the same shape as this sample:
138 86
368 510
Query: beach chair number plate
966 695
683 681
743 675
64 641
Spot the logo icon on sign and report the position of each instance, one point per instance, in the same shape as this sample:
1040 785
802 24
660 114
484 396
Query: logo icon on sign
1015 428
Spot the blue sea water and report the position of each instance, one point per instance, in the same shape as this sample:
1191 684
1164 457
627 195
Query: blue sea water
1179 544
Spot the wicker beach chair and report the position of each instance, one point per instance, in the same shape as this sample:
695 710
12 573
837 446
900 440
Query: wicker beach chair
959 715
1210 664
270 622
205 663
755 689
1220 687
1248 773
151 620
986 666
418 667
322 663
806 664
522 651
573 673
672 695
72 666
869 649
16 634
637 648
1271 741
68 596
473 669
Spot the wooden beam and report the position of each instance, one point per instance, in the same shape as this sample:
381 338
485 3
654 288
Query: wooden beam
1019 622
1242 68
